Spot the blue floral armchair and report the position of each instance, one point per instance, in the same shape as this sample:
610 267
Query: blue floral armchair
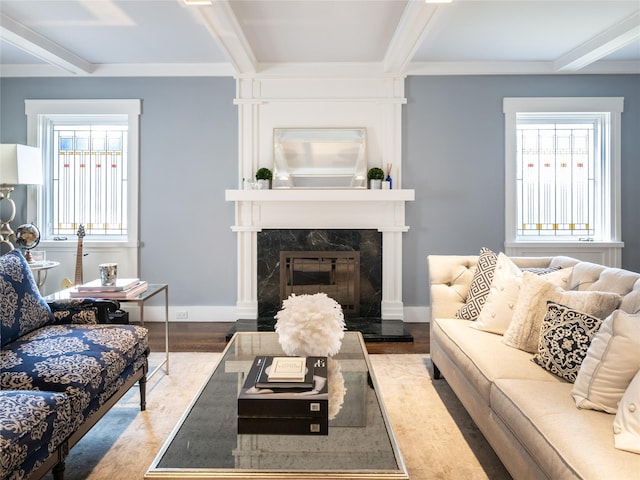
61 368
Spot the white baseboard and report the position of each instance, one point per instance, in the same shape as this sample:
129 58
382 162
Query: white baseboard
155 313
416 314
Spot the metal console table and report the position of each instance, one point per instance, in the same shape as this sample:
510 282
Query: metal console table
153 290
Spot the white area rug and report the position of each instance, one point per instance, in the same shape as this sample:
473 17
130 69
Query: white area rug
437 438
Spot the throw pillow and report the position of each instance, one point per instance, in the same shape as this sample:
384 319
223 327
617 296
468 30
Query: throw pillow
536 291
612 360
626 425
480 285
22 308
564 339
503 295
541 270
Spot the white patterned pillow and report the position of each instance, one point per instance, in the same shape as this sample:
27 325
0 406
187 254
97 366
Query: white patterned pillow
480 285
626 425
503 295
564 338
612 360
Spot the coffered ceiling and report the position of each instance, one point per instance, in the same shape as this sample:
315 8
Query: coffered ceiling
317 37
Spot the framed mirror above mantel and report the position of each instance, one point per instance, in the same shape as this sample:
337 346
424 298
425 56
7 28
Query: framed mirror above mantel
319 158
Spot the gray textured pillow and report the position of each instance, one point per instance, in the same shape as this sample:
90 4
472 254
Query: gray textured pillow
480 285
565 337
524 330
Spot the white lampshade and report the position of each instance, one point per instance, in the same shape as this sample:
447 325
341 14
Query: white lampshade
20 165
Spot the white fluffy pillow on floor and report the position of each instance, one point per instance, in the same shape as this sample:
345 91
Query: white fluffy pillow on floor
612 360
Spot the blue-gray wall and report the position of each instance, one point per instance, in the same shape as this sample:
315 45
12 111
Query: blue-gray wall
453 156
188 157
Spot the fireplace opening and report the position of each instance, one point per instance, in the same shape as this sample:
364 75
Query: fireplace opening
335 273
318 271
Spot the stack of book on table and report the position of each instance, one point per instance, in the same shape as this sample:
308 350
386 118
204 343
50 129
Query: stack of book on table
124 288
285 396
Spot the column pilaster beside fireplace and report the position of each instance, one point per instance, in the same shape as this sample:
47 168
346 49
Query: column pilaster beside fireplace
382 210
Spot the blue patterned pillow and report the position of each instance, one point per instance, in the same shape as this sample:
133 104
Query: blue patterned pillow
22 308
564 339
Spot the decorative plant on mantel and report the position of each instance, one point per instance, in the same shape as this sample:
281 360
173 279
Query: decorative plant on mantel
264 176
375 176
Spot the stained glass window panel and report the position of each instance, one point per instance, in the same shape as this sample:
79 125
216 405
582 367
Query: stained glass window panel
89 176
555 178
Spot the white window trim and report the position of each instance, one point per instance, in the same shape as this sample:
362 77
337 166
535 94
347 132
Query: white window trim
132 108
613 105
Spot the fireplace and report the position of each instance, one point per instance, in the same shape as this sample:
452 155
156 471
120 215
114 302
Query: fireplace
370 222
343 263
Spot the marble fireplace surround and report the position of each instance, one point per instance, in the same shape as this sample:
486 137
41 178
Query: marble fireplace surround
381 210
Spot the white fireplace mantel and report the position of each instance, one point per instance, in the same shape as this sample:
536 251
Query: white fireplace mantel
383 210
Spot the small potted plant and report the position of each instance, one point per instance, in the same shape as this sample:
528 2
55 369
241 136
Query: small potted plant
375 176
264 176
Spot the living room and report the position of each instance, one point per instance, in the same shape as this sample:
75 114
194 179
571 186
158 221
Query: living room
451 146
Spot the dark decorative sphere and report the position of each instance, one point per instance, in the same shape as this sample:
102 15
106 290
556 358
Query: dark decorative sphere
27 236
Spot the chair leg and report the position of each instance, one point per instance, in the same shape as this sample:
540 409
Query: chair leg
143 392
436 372
58 470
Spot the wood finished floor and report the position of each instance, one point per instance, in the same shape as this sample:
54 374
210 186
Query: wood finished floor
210 337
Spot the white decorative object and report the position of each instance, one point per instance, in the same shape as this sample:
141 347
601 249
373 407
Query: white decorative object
336 387
310 325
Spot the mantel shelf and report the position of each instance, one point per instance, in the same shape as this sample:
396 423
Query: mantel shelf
320 195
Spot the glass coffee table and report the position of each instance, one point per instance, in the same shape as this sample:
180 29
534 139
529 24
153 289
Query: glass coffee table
205 444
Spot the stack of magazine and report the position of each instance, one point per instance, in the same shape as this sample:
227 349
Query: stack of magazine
285 396
124 288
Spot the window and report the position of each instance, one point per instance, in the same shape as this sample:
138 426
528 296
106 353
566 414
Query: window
90 164
562 169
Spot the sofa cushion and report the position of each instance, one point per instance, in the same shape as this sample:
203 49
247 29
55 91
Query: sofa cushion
524 330
565 441
564 338
501 301
612 360
22 308
482 356
84 361
626 425
32 426
480 285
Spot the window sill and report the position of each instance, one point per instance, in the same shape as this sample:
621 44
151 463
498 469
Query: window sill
604 253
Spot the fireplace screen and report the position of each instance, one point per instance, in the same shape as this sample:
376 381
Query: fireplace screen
335 273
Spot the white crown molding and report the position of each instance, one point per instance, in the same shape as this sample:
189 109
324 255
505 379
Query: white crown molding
516 68
325 70
125 70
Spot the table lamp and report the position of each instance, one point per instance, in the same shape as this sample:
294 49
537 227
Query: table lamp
19 165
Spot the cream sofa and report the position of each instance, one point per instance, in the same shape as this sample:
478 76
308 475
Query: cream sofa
527 414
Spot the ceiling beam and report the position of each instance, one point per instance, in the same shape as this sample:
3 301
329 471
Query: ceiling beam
40 47
604 44
223 25
408 35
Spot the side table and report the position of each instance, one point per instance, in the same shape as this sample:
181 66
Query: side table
153 290
40 268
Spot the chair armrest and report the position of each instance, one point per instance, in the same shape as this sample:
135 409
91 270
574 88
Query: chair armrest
82 310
